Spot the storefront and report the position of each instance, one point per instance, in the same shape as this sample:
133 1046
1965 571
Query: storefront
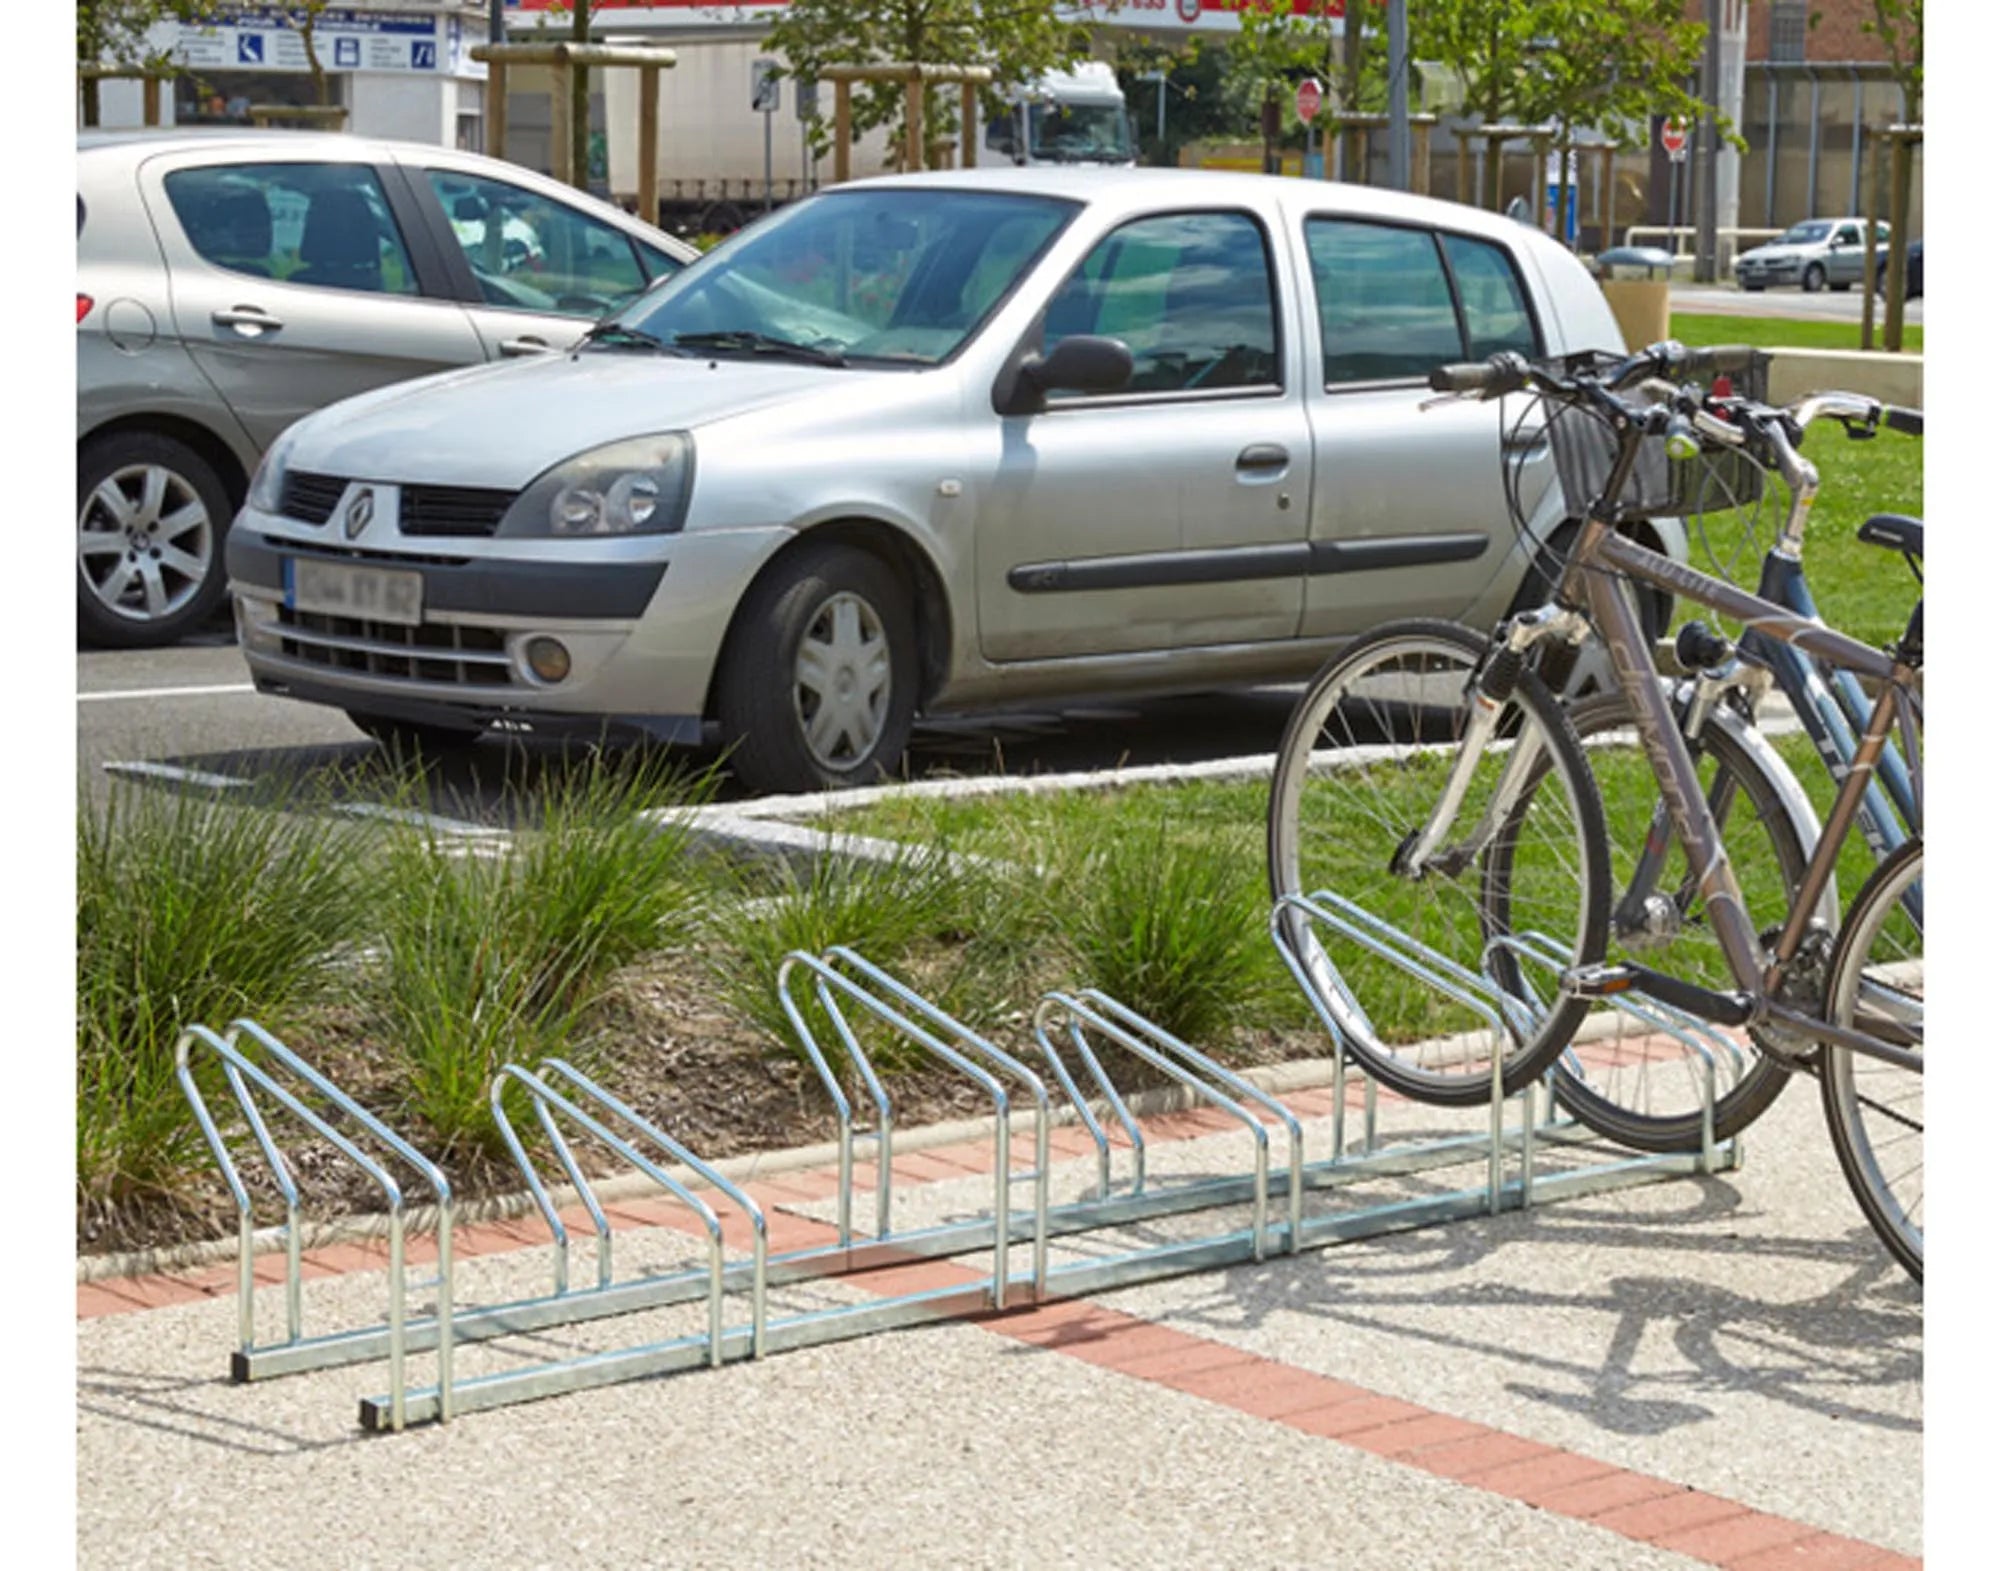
399 69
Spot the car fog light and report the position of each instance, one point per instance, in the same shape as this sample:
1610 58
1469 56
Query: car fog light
548 659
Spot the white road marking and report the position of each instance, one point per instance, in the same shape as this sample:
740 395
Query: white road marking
145 770
166 692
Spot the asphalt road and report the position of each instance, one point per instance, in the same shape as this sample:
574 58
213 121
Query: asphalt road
1826 306
188 716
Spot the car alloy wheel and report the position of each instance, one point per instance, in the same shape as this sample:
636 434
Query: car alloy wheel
841 681
145 542
1814 279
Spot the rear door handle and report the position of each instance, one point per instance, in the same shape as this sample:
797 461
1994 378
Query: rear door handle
527 344
1263 458
249 321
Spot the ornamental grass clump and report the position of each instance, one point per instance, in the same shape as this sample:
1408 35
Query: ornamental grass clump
497 953
191 911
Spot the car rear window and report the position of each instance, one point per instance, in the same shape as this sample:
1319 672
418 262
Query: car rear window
320 224
1395 302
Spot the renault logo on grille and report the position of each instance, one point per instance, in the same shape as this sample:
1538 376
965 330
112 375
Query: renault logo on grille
359 512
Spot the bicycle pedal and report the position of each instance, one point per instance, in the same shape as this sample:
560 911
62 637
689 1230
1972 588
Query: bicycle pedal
1608 981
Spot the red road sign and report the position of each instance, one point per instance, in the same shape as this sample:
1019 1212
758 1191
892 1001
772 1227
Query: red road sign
1674 137
1311 96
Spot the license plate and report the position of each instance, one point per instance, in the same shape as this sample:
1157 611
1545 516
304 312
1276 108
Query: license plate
369 594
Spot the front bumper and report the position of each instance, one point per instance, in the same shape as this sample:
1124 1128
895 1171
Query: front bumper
640 635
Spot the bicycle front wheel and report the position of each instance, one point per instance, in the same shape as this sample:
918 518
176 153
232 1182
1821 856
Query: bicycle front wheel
1622 1077
1875 1109
1361 769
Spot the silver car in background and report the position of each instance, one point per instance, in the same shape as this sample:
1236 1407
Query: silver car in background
1821 253
924 443
230 282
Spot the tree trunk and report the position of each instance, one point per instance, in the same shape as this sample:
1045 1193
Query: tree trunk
91 106
579 101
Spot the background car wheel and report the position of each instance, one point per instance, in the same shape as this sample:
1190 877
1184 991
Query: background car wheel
413 741
1753 289
150 517
818 682
1840 289
1813 280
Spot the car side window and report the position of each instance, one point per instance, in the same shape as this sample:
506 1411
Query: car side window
528 252
1490 294
327 225
1847 234
659 264
1189 294
1385 307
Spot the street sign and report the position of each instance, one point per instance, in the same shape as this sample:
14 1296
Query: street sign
1674 138
1311 95
764 86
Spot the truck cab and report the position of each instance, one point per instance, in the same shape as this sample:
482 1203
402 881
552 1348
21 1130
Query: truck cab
1066 117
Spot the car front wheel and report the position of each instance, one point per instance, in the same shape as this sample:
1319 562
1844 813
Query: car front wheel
1814 279
817 686
150 516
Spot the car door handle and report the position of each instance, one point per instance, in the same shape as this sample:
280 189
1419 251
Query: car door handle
527 344
249 321
1263 458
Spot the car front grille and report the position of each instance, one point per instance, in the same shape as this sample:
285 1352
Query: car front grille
310 499
462 511
452 510
435 652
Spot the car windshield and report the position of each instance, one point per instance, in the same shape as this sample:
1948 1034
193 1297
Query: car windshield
1806 233
1079 133
903 277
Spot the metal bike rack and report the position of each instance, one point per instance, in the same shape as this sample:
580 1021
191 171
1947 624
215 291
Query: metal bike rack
833 1002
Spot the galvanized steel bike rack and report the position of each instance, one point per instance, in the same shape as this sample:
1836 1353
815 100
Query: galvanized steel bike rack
829 1001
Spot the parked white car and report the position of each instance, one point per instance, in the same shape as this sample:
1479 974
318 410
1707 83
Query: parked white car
927 443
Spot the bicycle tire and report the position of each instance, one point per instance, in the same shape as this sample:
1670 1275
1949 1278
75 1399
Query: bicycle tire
1336 819
1630 1084
1880 941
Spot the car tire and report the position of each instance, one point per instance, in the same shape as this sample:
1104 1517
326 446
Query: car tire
1753 289
413 741
1840 289
1813 279
150 520
828 632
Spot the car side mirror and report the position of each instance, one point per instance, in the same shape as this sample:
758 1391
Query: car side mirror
1081 363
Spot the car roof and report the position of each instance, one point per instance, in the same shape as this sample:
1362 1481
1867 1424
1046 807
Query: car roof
1147 189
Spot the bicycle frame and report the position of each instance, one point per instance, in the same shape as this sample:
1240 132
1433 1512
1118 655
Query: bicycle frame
1896 707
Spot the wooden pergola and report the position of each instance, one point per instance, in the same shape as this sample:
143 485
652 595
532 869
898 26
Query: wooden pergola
916 77
151 76
1353 129
566 58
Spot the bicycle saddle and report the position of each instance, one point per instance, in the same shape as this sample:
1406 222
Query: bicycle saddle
1897 531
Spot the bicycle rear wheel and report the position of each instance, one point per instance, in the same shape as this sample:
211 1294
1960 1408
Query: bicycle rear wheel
1620 1077
1875 1110
1361 767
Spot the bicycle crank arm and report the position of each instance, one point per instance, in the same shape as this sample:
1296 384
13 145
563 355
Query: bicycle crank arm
1608 981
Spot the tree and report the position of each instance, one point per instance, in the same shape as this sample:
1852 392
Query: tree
113 33
1018 40
1273 48
1899 24
1580 65
1194 98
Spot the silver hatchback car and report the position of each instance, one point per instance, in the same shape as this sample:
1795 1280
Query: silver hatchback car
928 443
230 282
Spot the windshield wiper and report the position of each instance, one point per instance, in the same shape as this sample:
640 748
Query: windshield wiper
759 343
620 333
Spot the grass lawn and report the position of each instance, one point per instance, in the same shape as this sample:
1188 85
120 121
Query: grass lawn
1778 332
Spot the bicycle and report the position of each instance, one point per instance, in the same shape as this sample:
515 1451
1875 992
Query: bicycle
1450 719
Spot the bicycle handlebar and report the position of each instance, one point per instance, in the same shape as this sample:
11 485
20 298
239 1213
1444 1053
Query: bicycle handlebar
1908 421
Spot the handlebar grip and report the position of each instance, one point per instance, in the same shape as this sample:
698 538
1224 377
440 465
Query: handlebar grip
1722 360
1908 421
1502 373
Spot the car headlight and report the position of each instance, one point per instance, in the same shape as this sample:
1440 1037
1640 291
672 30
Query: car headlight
635 487
267 485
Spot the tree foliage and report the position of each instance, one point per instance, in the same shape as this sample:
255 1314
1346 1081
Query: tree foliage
1018 40
1899 25
1579 65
